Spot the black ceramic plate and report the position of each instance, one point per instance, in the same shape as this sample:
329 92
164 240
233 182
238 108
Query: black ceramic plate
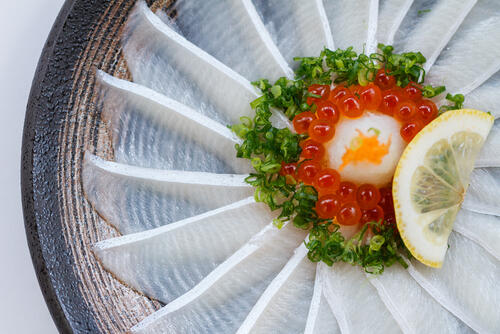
62 121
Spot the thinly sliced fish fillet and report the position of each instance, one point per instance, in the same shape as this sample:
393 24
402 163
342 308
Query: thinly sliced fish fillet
353 23
482 194
352 297
480 228
299 28
151 130
135 199
220 303
490 153
486 97
473 54
231 31
320 319
391 14
168 261
467 284
281 307
430 25
412 307
161 59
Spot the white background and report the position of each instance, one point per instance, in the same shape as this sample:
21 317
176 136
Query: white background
24 26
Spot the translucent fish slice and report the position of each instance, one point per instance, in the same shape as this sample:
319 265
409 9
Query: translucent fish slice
412 307
351 296
135 199
353 23
320 319
299 28
246 46
490 153
168 261
391 14
486 96
467 284
220 303
161 59
482 229
473 54
423 29
281 307
482 194
151 130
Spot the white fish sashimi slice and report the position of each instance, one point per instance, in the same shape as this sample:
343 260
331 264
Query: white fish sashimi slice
281 307
168 261
486 97
163 60
220 303
151 130
473 54
391 14
353 23
232 32
320 319
299 28
412 307
352 297
490 153
467 284
482 194
424 30
480 228
135 199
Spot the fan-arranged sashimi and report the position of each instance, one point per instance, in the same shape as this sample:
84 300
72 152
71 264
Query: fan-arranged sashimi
423 28
412 307
299 28
280 308
136 199
353 23
276 170
466 285
156 262
350 296
220 303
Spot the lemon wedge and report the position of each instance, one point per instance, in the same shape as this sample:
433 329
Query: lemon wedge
432 177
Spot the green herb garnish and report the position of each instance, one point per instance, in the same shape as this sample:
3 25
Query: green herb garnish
268 148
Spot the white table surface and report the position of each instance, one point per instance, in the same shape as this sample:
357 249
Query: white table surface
24 26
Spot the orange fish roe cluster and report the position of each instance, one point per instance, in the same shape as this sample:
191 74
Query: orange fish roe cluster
346 202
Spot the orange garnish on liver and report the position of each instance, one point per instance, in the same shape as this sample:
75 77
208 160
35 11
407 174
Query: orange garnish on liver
365 148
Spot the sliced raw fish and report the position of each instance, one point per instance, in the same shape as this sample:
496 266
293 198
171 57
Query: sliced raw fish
151 130
486 97
232 32
135 199
281 307
168 261
473 54
353 23
391 14
467 284
482 194
480 228
490 153
320 319
299 28
412 307
161 59
352 297
221 301
429 26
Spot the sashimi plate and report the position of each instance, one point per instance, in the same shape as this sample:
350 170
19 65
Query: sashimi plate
136 210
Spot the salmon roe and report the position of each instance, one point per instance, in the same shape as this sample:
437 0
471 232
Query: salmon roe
346 202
